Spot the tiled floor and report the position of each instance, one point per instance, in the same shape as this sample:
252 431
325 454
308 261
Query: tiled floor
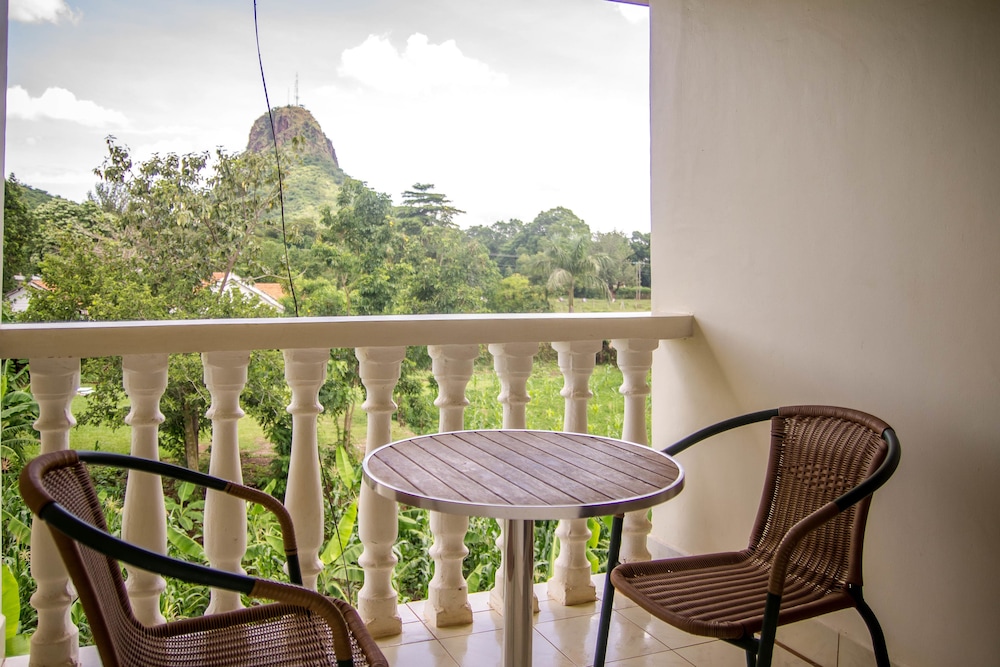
563 637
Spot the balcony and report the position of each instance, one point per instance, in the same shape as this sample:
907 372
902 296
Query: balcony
380 343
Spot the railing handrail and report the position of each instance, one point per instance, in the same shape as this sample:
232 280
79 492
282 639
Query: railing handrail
101 339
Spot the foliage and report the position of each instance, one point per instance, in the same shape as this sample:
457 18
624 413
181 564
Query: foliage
422 207
366 248
161 229
15 643
569 262
615 270
503 240
18 412
516 294
448 274
20 235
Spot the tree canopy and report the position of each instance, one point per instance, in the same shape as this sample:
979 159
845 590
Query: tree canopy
148 242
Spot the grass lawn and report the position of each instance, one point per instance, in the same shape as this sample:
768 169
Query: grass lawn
602 305
544 411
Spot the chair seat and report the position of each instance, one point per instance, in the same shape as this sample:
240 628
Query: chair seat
275 634
722 595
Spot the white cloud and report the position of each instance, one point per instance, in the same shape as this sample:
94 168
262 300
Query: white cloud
42 11
633 13
61 104
419 68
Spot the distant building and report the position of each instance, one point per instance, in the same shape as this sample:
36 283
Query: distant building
19 296
268 293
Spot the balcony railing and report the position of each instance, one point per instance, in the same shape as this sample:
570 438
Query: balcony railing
453 341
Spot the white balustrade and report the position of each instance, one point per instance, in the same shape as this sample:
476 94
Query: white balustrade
635 359
144 523
54 351
571 583
225 516
512 363
377 515
56 640
305 372
448 593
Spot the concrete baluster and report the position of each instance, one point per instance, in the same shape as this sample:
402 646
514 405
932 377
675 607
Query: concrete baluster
225 516
305 372
570 583
448 594
512 363
56 640
144 521
635 358
377 516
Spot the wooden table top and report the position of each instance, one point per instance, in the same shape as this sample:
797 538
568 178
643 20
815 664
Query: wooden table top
522 474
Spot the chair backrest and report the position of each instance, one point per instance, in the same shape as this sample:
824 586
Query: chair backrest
96 577
817 454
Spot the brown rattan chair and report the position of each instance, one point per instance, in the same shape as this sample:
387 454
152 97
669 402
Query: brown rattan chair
804 556
301 628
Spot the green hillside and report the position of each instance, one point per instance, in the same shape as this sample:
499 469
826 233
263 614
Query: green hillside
311 174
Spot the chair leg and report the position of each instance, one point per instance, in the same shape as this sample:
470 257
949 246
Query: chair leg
878 637
751 658
604 628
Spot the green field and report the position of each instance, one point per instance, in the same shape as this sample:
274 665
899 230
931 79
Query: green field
544 411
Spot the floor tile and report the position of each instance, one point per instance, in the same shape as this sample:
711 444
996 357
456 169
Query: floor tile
482 621
813 640
664 659
550 610
412 633
485 649
577 638
714 654
422 654
664 632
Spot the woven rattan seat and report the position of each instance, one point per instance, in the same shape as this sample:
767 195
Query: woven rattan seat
804 556
301 628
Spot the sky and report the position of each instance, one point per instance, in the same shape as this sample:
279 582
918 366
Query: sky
509 108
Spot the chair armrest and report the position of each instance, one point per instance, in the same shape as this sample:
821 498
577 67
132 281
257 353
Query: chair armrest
715 429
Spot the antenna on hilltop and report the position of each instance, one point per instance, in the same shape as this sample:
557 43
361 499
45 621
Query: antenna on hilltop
297 90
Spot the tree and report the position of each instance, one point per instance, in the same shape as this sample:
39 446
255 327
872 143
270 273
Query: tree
422 207
448 273
618 270
362 227
559 221
516 294
244 189
640 256
501 240
142 250
569 263
20 235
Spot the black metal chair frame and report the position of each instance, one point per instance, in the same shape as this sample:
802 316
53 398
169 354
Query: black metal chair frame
759 651
58 518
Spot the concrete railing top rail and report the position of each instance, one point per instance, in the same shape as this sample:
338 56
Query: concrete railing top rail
100 339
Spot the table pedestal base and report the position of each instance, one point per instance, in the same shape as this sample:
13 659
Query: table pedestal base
519 577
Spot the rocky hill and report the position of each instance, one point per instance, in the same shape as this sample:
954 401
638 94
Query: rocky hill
313 178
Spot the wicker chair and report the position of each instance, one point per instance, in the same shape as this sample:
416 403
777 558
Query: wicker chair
804 556
301 628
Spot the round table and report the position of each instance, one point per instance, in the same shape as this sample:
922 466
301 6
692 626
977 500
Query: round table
519 476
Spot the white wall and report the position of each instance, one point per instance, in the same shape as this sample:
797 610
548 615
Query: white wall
826 201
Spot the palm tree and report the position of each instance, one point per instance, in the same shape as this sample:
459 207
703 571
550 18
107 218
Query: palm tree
569 263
